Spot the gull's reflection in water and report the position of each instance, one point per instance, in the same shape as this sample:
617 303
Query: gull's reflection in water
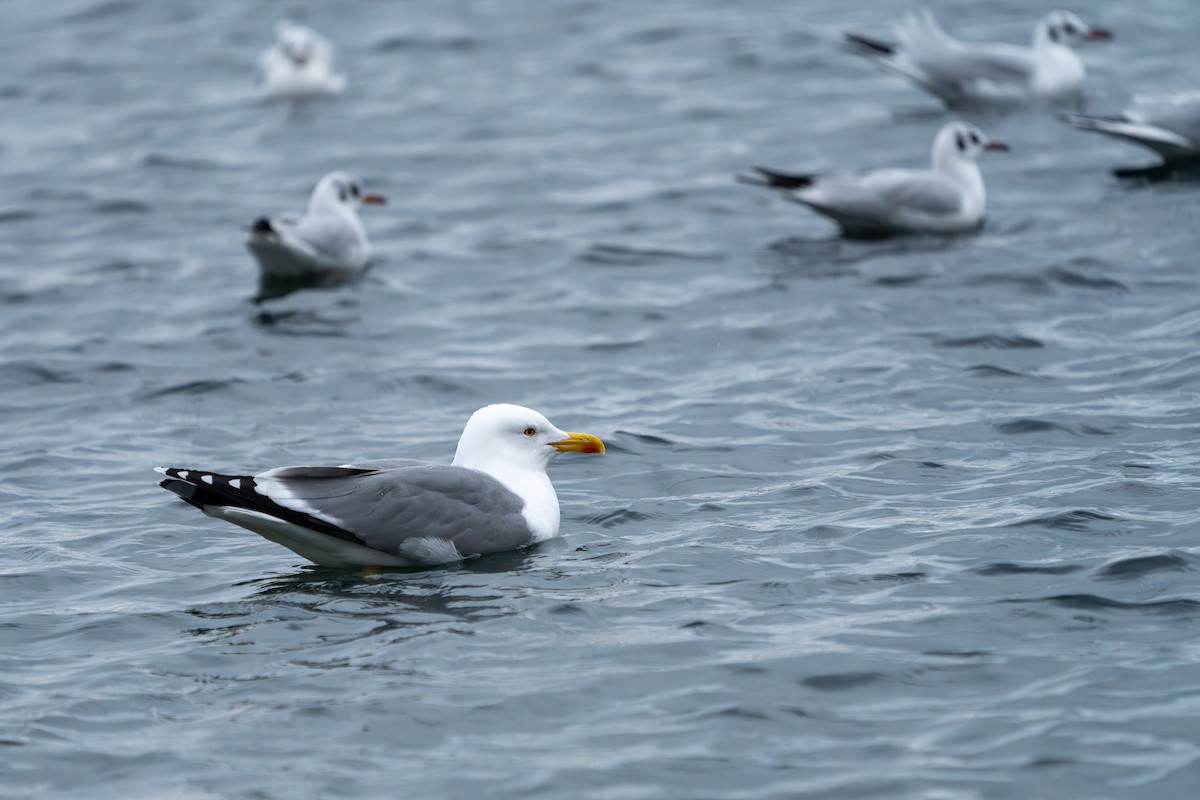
274 288
308 322
318 615
450 590
1184 172
837 256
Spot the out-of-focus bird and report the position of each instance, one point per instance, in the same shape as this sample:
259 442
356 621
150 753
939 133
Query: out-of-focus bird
299 65
1170 126
326 246
983 73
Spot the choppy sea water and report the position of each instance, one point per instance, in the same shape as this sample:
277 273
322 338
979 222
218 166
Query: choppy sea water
912 519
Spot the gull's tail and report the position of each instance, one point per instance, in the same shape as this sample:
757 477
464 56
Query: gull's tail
774 179
867 46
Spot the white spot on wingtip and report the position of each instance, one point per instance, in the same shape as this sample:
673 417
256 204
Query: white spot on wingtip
207 479
236 483
183 474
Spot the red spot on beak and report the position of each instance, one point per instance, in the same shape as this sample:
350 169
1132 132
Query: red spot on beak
374 199
1098 34
994 145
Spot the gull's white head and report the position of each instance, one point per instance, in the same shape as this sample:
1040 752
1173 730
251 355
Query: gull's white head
504 436
962 141
1066 29
341 190
297 43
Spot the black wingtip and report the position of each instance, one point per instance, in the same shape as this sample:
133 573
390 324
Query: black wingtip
869 46
783 180
183 489
262 225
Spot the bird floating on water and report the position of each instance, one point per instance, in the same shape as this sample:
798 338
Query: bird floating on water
986 73
299 66
494 497
326 246
948 198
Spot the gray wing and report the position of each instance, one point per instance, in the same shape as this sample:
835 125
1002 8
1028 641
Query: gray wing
1170 127
385 463
884 197
920 192
1179 115
329 239
936 58
995 63
390 509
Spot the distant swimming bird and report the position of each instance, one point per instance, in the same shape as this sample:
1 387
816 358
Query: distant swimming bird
326 245
949 198
496 496
1170 126
299 65
965 73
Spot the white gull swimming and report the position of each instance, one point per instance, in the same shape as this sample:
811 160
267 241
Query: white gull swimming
327 243
969 73
948 198
495 496
300 65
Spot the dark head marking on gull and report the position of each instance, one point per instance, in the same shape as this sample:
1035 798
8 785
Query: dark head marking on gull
1066 28
496 496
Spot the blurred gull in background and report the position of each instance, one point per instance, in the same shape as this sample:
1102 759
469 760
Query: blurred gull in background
972 73
299 65
1170 126
326 246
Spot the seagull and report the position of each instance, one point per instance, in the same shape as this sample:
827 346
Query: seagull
949 198
495 497
1170 126
965 73
299 65
326 245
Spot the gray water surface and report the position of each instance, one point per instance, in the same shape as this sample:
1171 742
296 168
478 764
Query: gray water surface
910 519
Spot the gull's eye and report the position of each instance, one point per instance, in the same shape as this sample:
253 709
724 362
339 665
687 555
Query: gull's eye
530 432
354 190
962 143
974 139
1069 28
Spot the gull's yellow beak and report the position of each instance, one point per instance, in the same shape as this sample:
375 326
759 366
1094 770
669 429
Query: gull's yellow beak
579 443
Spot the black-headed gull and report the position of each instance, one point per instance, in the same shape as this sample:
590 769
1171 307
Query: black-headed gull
1170 126
326 245
495 497
948 198
966 73
299 65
